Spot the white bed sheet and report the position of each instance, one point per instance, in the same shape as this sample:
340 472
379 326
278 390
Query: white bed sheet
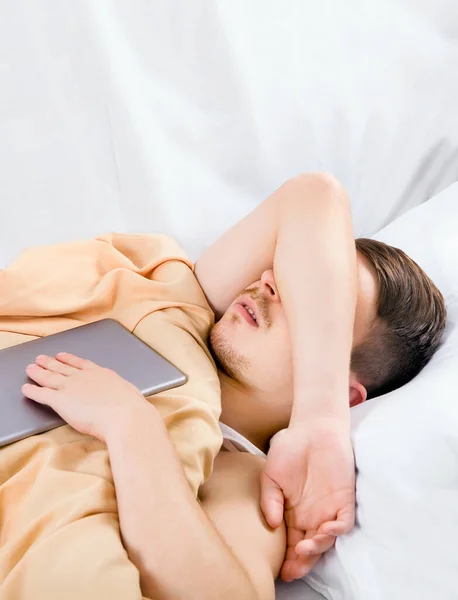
180 116
297 590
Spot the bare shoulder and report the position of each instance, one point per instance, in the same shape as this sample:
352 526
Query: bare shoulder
231 499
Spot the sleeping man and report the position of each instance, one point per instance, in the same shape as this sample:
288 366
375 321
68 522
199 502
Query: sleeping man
320 325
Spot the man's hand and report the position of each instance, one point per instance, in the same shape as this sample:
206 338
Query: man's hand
309 477
90 398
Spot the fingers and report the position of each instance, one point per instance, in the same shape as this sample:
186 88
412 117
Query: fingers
45 378
293 537
272 501
324 539
42 395
298 568
51 372
343 524
51 364
75 361
334 528
318 544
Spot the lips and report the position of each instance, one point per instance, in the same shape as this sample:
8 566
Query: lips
241 309
253 306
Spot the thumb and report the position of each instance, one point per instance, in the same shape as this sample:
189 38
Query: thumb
272 501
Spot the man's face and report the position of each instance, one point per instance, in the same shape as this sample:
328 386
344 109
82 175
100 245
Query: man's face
256 350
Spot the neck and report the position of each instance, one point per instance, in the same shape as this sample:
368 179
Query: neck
243 409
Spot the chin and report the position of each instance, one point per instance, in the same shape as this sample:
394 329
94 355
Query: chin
226 356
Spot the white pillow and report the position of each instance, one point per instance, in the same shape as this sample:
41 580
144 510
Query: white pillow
404 546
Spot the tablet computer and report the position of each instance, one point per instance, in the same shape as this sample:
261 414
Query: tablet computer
106 343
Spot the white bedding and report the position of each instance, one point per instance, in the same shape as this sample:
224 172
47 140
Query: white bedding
179 116
297 590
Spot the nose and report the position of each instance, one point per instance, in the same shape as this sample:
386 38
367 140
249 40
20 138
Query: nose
268 283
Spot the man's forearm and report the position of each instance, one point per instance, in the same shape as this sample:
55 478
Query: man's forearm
315 271
303 230
167 535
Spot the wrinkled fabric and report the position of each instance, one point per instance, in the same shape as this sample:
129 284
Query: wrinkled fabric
59 530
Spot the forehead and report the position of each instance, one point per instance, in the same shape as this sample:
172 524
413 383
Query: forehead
366 304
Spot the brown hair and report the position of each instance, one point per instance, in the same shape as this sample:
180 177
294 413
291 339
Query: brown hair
409 325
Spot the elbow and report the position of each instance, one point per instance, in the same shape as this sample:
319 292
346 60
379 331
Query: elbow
316 187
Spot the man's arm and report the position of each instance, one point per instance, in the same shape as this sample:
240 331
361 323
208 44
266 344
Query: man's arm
178 551
304 232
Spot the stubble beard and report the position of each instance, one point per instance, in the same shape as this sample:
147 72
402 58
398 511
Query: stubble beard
227 359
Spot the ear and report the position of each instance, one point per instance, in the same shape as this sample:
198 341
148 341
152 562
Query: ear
358 392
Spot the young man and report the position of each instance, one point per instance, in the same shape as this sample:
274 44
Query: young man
283 348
